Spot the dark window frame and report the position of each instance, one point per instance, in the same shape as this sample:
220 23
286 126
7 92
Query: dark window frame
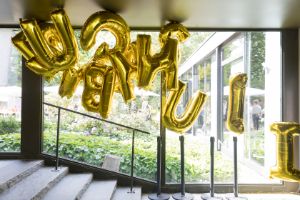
31 129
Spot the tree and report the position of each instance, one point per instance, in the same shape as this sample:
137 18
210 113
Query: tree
257 59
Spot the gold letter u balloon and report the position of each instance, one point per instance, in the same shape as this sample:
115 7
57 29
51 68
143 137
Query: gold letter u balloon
184 122
48 48
285 133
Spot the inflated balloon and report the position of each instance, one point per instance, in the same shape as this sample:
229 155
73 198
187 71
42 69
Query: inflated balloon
176 31
109 21
131 54
19 41
99 83
123 71
173 30
237 86
148 66
52 38
191 113
48 49
285 133
70 81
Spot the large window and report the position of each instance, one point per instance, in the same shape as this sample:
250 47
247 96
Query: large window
10 93
209 69
99 143
208 59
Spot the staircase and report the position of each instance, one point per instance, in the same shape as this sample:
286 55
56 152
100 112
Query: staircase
30 179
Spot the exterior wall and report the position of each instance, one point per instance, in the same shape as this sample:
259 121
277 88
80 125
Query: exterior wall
5 46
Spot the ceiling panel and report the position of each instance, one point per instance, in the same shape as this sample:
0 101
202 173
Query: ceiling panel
150 13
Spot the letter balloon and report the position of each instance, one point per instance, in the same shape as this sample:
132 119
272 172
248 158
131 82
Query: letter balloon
237 86
192 111
284 169
99 83
48 48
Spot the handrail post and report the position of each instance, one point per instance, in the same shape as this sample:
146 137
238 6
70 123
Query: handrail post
57 140
158 195
132 160
182 195
211 195
235 174
158 165
235 187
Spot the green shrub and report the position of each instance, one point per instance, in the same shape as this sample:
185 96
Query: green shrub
10 142
9 125
92 150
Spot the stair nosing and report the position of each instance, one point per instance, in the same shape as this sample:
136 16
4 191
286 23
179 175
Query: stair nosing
21 176
39 191
79 192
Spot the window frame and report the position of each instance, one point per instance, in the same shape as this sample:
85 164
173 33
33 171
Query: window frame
31 129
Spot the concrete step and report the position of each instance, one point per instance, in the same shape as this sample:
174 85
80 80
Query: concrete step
124 194
71 187
100 190
13 171
36 185
5 162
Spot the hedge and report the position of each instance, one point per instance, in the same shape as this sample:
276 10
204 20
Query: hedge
92 149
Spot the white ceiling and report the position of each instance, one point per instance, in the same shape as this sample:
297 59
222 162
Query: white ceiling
149 13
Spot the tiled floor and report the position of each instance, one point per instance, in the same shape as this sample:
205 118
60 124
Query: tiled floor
254 197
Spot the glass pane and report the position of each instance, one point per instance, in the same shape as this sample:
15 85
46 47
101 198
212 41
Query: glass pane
258 55
261 52
97 143
10 93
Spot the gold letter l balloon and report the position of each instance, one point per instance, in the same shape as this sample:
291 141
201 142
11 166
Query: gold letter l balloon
184 122
237 85
285 133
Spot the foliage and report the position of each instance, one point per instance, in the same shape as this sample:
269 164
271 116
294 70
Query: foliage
257 146
92 150
10 142
257 59
9 124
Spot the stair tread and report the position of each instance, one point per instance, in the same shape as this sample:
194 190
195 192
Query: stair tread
100 190
123 194
3 163
35 185
70 187
13 171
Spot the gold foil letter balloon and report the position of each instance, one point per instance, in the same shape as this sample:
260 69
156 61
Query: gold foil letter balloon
192 111
167 60
106 20
124 72
99 83
176 31
109 21
237 85
70 80
148 66
173 30
285 133
48 48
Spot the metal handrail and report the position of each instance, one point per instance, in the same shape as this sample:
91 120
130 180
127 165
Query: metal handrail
103 120
97 118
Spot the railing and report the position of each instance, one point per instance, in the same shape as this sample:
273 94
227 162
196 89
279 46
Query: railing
134 130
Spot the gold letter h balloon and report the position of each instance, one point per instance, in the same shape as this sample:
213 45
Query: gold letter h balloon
52 47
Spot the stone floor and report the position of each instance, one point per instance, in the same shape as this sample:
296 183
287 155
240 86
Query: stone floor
253 196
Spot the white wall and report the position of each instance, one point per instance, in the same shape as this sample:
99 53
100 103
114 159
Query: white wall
5 47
